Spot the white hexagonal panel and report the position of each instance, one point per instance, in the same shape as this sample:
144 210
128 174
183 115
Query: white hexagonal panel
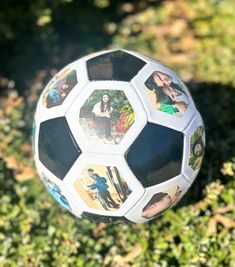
107 116
194 146
103 184
158 198
60 92
166 99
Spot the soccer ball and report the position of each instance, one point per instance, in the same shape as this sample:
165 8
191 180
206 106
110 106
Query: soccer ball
117 137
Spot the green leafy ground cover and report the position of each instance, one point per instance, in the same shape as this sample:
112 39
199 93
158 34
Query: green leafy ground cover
196 39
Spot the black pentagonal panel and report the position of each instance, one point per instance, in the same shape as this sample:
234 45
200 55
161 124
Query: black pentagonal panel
105 219
117 65
156 154
57 148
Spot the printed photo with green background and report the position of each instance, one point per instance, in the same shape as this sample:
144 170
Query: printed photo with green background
106 116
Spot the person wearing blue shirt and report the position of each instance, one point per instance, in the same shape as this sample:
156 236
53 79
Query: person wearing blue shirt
100 184
55 191
54 95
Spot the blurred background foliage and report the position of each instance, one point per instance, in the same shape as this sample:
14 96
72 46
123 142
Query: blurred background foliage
196 39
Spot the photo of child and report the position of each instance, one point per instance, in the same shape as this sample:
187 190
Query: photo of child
197 147
161 202
55 191
166 95
102 187
106 116
59 88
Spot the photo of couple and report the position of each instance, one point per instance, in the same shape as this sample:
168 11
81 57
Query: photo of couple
106 116
166 95
58 89
197 147
102 187
55 191
161 202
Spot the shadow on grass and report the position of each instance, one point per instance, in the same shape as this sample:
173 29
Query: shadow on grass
53 34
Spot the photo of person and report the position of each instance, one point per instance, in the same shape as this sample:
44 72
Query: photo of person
55 191
102 187
59 88
165 94
102 115
106 116
161 202
197 147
